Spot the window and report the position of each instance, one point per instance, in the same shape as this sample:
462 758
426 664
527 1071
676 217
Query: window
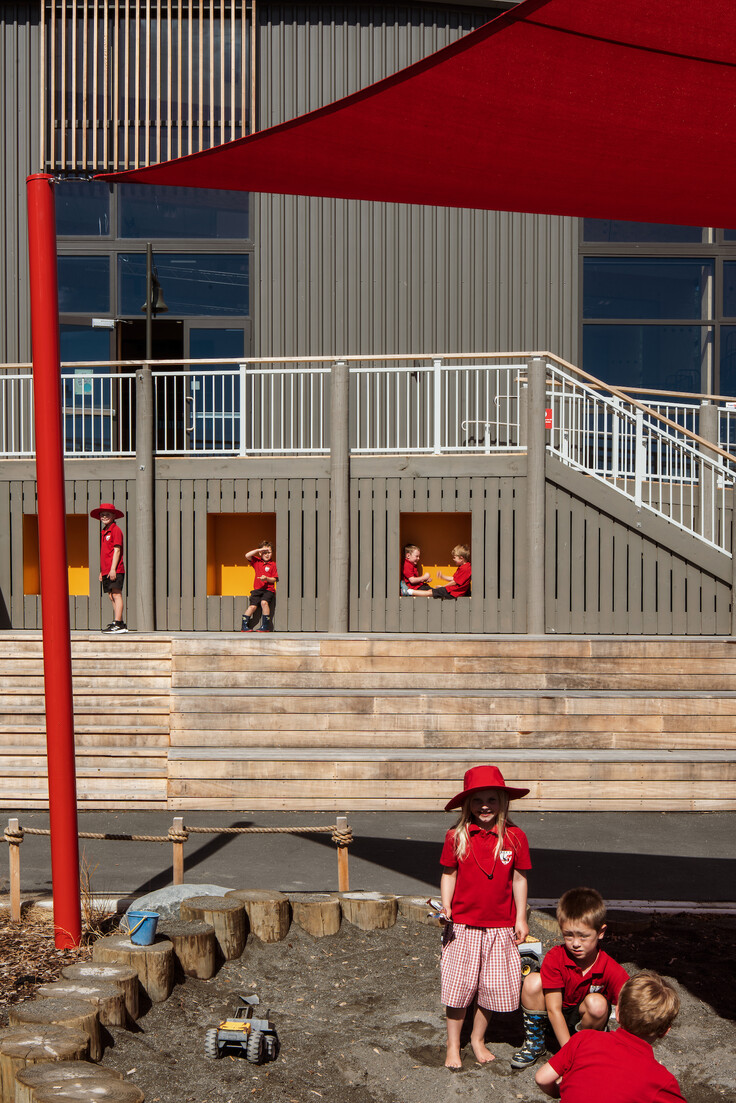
656 303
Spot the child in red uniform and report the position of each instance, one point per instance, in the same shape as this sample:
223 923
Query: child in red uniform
112 567
578 982
484 893
266 577
619 1067
413 582
460 580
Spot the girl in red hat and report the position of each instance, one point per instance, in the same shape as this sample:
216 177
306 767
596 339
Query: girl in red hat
484 893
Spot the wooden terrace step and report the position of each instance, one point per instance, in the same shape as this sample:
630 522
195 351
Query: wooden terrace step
377 722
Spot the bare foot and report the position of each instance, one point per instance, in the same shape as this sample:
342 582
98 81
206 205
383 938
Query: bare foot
482 1054
453 1059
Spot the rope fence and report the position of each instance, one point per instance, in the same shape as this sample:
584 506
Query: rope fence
340 832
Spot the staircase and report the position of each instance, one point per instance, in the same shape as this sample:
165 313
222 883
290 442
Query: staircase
195 721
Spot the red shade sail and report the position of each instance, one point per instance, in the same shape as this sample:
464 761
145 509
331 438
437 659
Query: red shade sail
621 110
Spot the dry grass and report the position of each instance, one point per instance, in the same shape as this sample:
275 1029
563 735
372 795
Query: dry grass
28 956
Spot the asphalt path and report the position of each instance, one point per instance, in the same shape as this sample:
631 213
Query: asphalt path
637 856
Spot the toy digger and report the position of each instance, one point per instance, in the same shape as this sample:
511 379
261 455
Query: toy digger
257 1038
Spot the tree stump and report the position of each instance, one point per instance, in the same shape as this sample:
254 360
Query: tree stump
370 911
23 1046
268 912
35 1077
122 975
106 996
317 913
194 946
154 964
61 1011
416 909
227 916
89 1090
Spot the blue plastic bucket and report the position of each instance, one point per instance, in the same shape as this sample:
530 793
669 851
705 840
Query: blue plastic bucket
142 927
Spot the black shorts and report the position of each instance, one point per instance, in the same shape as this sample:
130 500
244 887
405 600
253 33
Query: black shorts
257 596
441 592
113 585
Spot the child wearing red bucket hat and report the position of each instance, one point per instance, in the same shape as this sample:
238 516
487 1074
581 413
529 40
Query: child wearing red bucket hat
112 567
484 894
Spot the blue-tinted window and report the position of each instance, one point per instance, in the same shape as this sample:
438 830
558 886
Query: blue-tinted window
87 402
624 287
672 358
215 401
83 343
84 285
729 235
82 209
729 289
153 213
207 284
600 229
727 382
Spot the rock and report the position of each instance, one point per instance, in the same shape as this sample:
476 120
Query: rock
166 901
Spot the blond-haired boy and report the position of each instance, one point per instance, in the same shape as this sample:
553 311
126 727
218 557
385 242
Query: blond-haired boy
619 1067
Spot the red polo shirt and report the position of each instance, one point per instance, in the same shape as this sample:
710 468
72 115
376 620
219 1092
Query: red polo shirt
560 971
410 570
270 569
110 538
460 584
479 900
612 1068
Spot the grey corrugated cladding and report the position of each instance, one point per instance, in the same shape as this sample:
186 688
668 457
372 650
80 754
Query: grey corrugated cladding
333 276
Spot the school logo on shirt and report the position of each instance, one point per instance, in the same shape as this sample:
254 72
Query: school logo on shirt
506 856
108 536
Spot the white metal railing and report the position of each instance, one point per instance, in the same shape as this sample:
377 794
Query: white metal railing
628 448
98 413
397 405
242 410
435 408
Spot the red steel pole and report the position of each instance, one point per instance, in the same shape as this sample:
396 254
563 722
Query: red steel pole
57 656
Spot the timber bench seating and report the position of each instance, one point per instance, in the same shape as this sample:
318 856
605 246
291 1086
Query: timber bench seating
193 721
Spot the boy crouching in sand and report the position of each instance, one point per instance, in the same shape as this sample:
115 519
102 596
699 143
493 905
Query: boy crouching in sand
578 982
619 1067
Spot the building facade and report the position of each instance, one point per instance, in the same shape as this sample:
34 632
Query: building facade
246 277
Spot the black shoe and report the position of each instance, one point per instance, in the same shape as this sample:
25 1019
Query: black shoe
118 627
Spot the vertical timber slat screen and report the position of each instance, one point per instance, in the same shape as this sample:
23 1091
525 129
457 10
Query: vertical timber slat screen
130 84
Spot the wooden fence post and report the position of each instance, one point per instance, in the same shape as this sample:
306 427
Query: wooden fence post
145 596
536 490
14 837
343 876
178 837
338 617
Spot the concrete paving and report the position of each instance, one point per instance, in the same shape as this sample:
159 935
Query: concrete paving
631 856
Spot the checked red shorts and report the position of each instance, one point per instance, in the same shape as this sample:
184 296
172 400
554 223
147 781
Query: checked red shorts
482 960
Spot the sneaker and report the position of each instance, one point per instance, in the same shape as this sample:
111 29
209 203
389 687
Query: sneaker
118 627
109 627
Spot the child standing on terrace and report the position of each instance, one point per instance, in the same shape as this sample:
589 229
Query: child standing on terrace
112 567
484 894
266 577
459 582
